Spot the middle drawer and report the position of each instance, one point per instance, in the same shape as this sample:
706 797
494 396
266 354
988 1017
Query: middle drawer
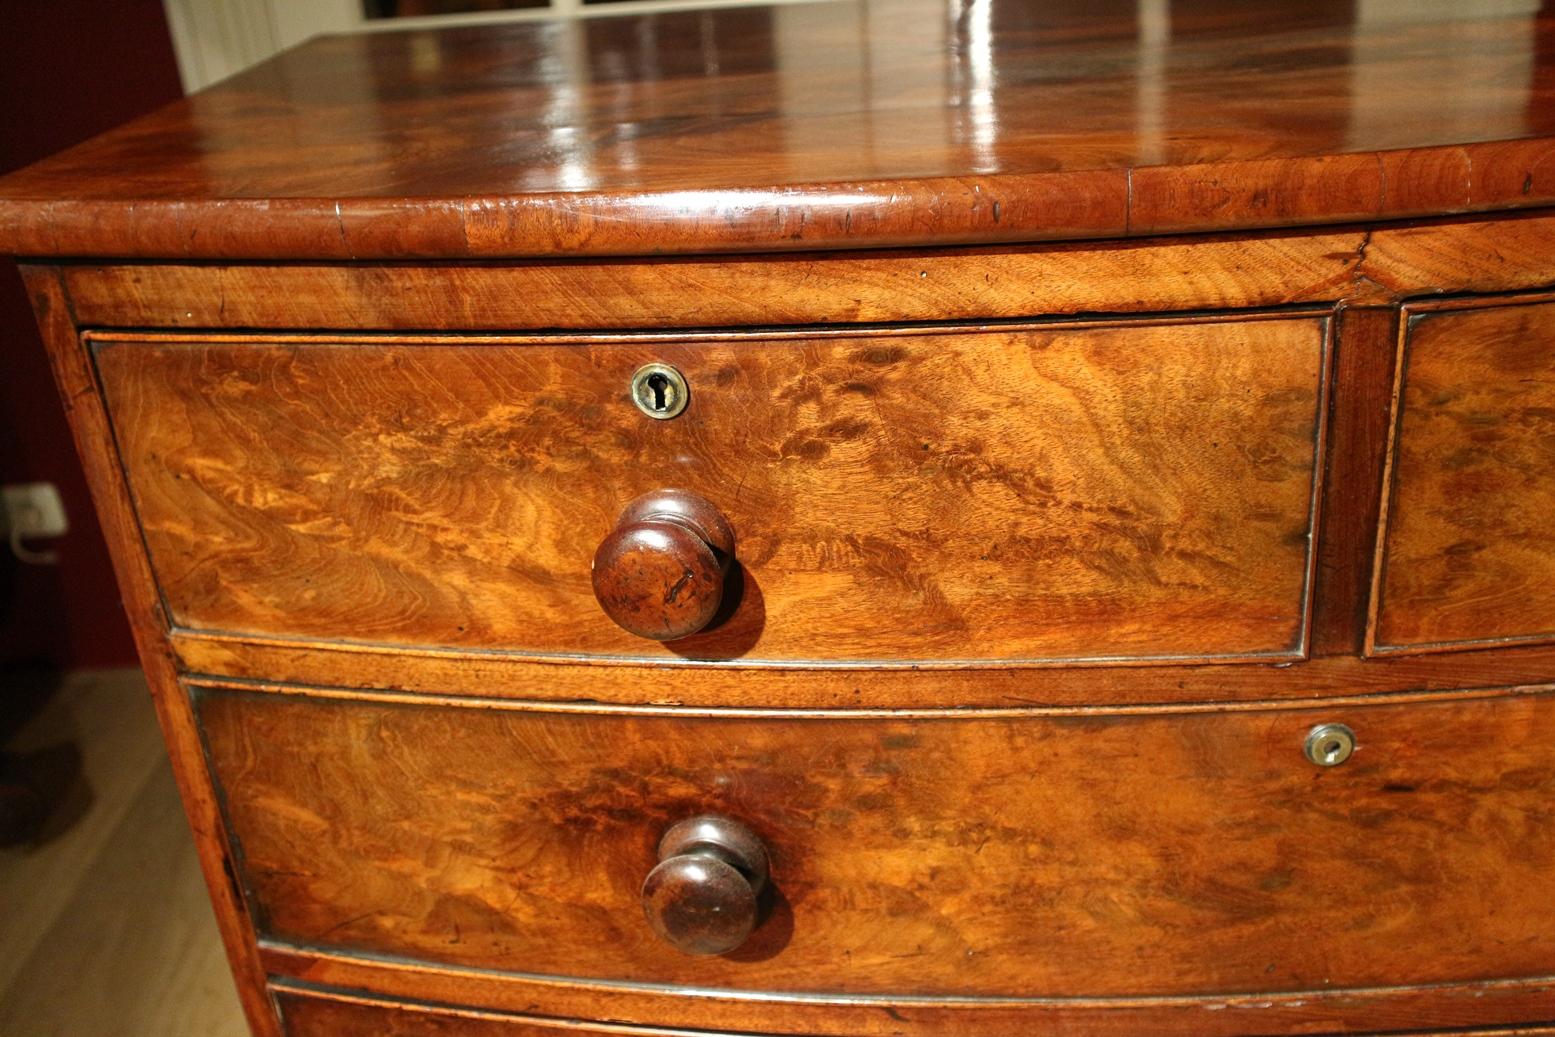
1086 492
960 855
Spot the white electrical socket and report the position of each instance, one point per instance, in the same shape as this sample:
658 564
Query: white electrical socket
33 511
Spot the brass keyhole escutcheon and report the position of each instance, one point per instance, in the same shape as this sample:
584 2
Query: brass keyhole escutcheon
660 391
1329 745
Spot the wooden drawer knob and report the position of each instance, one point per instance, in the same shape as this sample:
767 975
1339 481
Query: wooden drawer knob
702 896
660 572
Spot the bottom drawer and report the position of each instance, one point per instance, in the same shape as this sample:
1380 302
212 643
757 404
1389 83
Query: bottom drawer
1092 855
307 1013
310 1014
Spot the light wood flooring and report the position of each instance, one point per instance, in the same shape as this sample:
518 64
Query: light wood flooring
104 925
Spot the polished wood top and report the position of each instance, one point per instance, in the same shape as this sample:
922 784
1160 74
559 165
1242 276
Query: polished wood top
844 124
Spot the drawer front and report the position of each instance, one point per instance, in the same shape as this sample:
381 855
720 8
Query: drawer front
1100 492
1468 545
1085 855
307 1014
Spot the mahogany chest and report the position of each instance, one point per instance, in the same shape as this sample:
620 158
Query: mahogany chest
858 518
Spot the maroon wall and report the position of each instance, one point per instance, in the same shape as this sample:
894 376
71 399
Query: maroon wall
68 69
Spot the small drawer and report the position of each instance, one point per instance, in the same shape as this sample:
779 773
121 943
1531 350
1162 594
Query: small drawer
1093 855
1467 549
1082 493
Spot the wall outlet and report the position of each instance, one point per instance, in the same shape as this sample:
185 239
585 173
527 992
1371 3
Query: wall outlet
33 511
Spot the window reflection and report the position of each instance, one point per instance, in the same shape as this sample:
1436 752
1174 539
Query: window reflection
374 9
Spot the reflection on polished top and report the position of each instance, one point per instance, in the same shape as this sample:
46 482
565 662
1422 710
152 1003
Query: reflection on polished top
849 123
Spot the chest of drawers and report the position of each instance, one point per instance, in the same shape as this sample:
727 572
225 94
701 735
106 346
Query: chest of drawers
845 519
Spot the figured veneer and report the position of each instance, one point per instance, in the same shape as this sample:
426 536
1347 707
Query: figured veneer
1372 265
495 674
1467 552
1101 855
1088 492
1383 1009
310 1012
306 1013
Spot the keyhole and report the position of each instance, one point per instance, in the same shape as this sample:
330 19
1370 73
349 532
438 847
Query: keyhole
660 388
1329 745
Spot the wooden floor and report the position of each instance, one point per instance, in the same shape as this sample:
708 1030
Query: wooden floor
104 925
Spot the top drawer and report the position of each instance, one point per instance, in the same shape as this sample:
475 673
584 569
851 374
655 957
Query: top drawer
1467 555
1098 492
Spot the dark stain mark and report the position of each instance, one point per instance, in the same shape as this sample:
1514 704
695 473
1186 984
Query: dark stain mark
872 802
881 356
805 448
1275 882
847 429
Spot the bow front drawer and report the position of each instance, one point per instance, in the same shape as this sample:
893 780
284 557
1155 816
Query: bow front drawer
1105 855
1468 539
306 1013
1096 492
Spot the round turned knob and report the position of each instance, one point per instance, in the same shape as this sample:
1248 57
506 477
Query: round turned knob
660 572
702 895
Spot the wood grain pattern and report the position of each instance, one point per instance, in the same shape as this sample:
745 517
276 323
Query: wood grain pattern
313 1013
1373 265
1378 1009
887 122
1365 343
333 1014
1468 549
799 686
1100 856
873 287
89 423
1091 492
